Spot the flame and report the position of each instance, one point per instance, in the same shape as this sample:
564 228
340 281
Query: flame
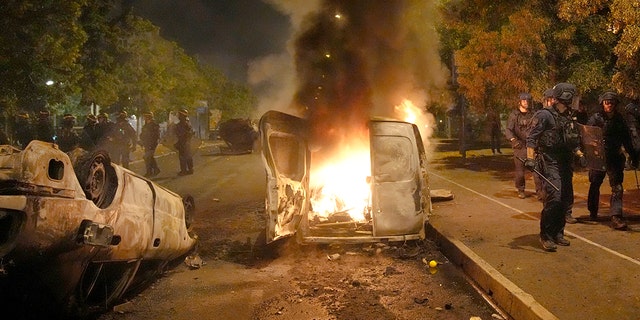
342 183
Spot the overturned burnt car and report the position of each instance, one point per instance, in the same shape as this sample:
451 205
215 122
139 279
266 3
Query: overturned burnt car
395 203
78 232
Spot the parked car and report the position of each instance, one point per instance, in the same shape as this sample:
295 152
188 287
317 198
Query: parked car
78 232
400 199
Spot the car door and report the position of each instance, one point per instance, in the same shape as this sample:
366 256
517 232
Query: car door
400 192
286 158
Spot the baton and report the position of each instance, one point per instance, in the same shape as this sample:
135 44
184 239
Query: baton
541 175
635 170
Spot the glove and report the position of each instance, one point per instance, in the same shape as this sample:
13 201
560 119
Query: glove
582 161
581 158
516 144
530 164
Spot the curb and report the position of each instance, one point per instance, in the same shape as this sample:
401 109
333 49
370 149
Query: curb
509 297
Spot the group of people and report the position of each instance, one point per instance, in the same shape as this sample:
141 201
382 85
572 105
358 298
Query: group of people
118 138
549 143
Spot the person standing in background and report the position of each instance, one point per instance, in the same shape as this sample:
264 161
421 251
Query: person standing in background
517 130
124 140
149 137
67 139
616 135
184 132
44 127
495 131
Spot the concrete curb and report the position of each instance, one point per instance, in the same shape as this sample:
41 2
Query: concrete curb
509 297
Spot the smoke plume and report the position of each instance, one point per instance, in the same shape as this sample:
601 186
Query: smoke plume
359 59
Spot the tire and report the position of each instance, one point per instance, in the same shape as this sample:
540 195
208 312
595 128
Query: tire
98 179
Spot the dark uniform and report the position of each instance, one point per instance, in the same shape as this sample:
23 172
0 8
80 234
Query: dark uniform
184 132
517 130
104 130
616 134
67 139
554 138
23 133
44 127
124 140
495 131
89 136
149 137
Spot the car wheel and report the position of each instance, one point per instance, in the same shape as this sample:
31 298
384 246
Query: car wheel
99 183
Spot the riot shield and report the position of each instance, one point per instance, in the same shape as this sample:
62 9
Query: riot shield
593 147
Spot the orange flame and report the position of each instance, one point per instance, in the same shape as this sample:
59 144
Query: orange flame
341 185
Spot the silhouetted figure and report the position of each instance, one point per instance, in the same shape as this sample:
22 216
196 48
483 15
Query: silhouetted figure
184 132
149 137
67 139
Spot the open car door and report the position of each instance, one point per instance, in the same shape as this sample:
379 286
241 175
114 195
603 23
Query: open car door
400 190
287 160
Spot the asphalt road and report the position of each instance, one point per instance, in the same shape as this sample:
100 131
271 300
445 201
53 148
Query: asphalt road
238 280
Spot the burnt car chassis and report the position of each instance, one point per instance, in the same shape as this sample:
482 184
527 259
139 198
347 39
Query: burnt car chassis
78 232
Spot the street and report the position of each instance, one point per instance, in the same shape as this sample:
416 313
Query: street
595 277
241 279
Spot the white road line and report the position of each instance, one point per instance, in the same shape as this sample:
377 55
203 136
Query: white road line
616 253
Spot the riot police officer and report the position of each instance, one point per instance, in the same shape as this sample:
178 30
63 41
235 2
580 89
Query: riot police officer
616 134
124 139
67 139
44 127
551 145
517 130
149 137
184 132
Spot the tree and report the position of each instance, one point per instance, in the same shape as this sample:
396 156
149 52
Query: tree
39 48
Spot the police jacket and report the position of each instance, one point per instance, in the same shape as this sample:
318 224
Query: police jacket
553 132
67 139
123 133
615 133
518 125
150 135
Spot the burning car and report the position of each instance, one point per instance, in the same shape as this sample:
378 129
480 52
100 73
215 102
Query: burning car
78 232
381 192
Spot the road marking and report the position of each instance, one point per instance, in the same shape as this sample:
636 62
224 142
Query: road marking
616 253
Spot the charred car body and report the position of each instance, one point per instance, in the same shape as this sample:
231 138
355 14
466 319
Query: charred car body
399 190
78 232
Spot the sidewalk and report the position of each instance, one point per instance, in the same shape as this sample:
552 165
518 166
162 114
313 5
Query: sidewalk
493 236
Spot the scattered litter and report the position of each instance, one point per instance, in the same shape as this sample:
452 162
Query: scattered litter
194 261
497 316
333 257
420 300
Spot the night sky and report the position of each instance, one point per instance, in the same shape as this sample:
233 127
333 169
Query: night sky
227 34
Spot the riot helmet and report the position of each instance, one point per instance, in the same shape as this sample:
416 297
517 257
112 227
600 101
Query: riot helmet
564 92
609 95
